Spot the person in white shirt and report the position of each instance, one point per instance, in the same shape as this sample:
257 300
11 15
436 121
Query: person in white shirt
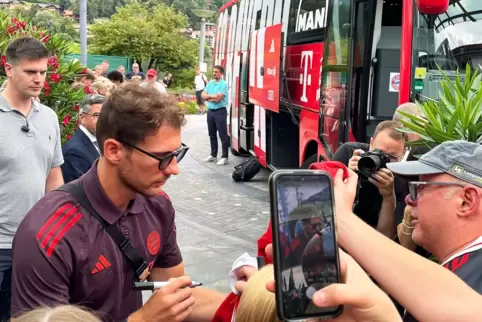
82 149
200 80
151 80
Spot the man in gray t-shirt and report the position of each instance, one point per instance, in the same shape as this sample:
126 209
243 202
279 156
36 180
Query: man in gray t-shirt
30 148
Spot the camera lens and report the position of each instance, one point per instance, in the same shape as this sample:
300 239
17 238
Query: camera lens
369 163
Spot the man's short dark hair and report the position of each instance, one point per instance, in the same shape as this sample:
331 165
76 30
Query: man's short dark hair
393 130
26 48
220 68
115 76
133 112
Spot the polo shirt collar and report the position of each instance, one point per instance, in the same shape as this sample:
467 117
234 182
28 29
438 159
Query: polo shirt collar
101 202
6 107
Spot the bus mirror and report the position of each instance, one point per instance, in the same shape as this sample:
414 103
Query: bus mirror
432 7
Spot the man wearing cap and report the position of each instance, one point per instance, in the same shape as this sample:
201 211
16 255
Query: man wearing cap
151 80
447 207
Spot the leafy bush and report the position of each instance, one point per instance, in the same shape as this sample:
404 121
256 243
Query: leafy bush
58 94
180 91
189 107
184 78
456 116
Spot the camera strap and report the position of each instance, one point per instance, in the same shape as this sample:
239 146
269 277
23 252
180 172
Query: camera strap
138 264
358 188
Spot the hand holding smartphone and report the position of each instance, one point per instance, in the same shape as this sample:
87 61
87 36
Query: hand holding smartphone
304 241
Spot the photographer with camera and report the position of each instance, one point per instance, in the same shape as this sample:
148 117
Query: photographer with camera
378 189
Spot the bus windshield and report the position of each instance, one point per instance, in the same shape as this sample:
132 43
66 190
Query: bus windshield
448 41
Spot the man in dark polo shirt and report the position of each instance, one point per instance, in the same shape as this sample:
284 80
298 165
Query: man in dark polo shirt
62 254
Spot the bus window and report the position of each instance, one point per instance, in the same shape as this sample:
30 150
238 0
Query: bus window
450 41
335 72
307 20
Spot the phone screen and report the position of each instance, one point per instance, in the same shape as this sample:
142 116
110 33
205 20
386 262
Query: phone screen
306 247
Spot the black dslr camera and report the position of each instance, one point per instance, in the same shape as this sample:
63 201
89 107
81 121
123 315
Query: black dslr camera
372 161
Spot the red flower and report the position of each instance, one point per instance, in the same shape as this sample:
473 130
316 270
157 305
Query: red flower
87 90
66 120
47 89
16 25
76 107
46 39
55 77
69 136
3 60
41 34
84 71
53 62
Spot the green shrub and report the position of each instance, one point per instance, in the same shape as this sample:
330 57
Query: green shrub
189 107
457 115
180 91
184 78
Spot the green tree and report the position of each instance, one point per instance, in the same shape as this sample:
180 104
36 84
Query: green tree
147 33
58 93
54 23
51 21
187 7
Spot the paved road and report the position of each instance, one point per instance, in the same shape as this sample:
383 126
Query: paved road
217 219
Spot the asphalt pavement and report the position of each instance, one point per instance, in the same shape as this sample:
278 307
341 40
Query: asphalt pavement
217 219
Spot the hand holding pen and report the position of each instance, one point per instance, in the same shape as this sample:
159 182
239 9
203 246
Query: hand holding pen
172 302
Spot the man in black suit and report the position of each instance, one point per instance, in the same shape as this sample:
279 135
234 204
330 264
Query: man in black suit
82 149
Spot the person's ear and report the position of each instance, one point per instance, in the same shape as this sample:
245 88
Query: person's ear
8 69
468 201
114 151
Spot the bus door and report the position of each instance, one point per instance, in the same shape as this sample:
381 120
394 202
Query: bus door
334 76
360 61
264 82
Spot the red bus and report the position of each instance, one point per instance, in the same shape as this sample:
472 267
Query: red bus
306 76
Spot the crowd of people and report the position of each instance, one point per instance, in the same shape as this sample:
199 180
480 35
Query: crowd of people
102 81
80 223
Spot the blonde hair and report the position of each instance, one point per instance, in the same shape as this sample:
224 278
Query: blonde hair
257 303
61 313
409 108
99 85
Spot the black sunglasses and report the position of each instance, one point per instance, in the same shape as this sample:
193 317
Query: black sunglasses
415 186
166 160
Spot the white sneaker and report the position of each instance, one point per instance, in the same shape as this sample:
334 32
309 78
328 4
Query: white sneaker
210 159
222 161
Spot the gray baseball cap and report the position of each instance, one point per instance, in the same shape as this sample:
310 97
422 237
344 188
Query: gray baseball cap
460 159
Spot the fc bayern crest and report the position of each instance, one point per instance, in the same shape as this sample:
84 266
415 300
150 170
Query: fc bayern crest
153 242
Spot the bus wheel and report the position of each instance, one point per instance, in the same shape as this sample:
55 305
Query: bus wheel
309 161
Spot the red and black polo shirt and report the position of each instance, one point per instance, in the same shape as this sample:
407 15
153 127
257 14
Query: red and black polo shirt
62 255
467 265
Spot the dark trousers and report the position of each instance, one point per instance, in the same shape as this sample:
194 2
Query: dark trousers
218 121
5 283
